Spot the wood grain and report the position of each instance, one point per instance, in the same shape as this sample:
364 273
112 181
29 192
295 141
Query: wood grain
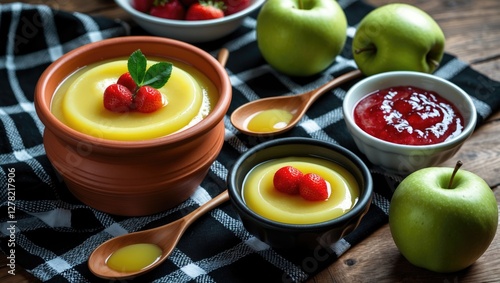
472 30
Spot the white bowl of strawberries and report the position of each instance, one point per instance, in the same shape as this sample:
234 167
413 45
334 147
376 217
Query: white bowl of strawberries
192 21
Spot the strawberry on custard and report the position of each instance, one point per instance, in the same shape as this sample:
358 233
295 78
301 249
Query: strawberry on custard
310 186
313 187
287 180
137 89
127 81
117 98
148 99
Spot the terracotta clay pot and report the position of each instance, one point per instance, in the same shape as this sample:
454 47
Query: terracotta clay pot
133 178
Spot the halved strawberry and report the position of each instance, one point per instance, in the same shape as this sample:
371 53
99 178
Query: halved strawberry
168 9
127 81
117 98
205 10
313 187
148 99
287 180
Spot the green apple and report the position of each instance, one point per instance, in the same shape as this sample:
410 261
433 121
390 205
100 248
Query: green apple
301 37
443 219
398 37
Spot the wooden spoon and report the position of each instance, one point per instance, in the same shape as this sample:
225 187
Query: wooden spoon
297 105
166 237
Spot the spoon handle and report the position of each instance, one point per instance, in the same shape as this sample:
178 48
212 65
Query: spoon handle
209 205
333 83
223 56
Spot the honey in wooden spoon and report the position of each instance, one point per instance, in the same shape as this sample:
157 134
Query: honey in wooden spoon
165 237
281 112
135 257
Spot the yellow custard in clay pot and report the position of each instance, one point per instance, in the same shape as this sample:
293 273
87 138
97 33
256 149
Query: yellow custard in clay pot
78 103
261 196
133 163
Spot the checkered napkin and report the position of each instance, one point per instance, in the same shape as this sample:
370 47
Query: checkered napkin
45 230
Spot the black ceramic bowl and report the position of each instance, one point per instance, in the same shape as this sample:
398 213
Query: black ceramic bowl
307 236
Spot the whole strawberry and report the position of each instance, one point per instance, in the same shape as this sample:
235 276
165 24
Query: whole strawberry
168 9
117 98
205 10
313 187
234 6
148 99
142 5
127 81
287 180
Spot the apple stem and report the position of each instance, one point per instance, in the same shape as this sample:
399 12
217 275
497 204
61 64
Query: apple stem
434 63
368 48
457 166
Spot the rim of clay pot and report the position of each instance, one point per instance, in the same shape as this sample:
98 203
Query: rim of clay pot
42 103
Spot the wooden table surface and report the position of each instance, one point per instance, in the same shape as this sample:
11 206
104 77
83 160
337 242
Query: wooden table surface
472 30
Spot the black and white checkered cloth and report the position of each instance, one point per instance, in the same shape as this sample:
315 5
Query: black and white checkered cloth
55 233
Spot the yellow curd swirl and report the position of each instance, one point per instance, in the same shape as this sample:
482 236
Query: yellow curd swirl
261 196
78 103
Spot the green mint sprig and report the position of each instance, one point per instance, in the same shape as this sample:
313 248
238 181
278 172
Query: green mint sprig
155 76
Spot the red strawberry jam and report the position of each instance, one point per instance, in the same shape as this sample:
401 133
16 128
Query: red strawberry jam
408 115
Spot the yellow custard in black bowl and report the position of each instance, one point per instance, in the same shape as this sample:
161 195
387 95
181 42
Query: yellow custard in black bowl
261 196
289 221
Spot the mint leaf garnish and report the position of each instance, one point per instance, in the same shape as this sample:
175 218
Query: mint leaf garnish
156 76
136 65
